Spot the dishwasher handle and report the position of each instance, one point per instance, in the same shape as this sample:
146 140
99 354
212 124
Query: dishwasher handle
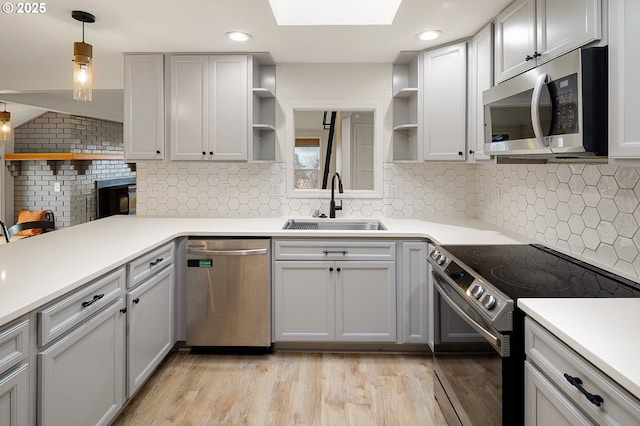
246 252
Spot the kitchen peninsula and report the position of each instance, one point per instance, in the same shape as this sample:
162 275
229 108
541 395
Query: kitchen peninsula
27 286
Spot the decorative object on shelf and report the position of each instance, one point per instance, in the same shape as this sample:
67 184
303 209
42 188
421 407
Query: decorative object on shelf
82 61
5 124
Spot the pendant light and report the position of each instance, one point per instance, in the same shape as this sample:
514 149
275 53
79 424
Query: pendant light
82 58
5 124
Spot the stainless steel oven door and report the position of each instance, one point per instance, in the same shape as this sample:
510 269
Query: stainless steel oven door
469 385
500 342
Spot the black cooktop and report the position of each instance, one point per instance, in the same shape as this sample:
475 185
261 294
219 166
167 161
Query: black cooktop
538 271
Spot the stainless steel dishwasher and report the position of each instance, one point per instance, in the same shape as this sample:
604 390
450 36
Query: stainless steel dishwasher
229 293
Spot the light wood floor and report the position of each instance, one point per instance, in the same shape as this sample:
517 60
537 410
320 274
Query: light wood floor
287 389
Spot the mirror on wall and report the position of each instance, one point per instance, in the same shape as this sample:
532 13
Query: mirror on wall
329 140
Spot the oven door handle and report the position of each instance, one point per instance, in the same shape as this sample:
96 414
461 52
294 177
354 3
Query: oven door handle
493 340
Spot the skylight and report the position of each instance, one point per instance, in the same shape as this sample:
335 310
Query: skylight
334 12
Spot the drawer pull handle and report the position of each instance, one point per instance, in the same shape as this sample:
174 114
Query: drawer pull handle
156 262
328 252
577 382
136 300
91 302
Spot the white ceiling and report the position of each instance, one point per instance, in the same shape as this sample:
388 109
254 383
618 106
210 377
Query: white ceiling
37 49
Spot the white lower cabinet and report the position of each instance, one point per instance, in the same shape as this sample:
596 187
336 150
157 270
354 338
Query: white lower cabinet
81 375
14 396
350 301
415 293
365 301
545 404
334 300
561 387
150 317
304 301
14 374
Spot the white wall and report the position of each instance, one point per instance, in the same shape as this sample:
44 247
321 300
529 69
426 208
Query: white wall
342 83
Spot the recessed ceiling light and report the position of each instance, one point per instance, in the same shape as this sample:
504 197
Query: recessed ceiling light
429 35
334 12
238 36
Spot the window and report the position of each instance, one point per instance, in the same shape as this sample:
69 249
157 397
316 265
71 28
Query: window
307 163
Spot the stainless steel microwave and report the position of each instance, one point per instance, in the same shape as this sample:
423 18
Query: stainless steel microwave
558 109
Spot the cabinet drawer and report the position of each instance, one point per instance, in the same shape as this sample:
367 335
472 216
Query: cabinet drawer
334 250
69 311
555 359
149 263
14 344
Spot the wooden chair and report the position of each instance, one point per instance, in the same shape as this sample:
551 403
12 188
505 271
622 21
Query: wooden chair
29 228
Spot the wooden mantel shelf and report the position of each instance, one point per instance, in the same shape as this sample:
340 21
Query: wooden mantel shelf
78 156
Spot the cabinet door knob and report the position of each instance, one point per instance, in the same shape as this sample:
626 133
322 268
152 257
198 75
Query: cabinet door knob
123 310
158 152
136 300
210 152
471 151
330 269
536 54
460 153
204 153
338 269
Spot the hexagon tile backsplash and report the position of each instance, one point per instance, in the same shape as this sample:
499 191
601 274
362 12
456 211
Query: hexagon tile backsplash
259 189
589 210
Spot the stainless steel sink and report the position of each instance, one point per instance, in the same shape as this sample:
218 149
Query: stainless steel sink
342 225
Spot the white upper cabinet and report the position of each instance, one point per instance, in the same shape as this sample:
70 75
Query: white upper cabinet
480 79
566 25
445 103
144 107
209 107
624 60
515 39
530 32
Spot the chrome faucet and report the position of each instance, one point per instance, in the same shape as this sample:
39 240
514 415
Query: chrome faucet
332 205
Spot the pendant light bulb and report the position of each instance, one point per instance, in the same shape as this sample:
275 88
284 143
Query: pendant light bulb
82 61
5 124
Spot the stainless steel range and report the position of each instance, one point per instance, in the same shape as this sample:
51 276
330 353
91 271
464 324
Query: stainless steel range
481 284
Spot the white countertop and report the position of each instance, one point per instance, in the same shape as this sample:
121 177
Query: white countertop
601 330
37 270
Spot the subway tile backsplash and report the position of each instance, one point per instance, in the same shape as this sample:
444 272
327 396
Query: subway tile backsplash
589 210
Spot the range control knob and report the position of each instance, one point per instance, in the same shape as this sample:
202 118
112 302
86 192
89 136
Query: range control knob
477 291
440 259
435 254
488 301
